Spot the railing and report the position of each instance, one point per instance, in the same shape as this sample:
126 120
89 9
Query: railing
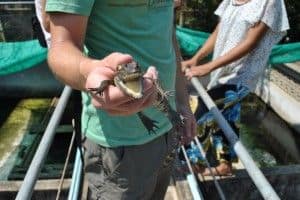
254 172
31 176
16 2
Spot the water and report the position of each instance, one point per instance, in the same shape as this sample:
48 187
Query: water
268 138
22 123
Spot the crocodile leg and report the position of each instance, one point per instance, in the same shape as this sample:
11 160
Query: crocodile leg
149 123
103 85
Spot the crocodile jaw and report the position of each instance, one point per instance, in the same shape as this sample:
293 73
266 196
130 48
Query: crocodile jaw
133 88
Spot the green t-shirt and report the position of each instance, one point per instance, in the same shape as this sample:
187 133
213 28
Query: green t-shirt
141 28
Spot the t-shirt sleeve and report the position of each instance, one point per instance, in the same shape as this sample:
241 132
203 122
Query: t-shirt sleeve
222 7
275 16
79 7
271 12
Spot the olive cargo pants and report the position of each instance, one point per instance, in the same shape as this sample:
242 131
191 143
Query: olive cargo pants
130 172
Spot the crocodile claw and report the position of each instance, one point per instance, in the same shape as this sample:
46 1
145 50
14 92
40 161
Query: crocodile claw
149 124
99 90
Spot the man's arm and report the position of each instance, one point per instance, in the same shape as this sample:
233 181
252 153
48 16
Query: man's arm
45 17
73 68
182 98
65 53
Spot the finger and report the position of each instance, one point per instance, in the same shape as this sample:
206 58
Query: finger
99 73
150 100
129 108
185 67
111 97
116 112
188 74
137 104
151 73
116 58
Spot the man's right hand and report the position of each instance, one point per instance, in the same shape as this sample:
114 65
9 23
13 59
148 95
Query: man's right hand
113 100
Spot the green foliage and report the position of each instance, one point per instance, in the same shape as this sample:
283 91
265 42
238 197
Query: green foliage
293 8
199 15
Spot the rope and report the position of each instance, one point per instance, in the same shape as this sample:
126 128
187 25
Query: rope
66 161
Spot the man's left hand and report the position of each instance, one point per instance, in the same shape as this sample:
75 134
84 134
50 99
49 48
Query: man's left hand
189 124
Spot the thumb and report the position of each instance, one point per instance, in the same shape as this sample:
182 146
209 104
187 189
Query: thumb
151 73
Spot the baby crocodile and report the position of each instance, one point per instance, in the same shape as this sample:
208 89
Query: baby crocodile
129 79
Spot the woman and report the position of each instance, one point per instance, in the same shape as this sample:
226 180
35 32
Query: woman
241 44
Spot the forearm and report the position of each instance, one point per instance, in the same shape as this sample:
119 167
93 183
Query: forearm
233 55
252 38
64 60
207 47
45 17
65 57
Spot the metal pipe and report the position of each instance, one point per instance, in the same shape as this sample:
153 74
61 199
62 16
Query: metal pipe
196 192
76 177
16 2
254 172
31 176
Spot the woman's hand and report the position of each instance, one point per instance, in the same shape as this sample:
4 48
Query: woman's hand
200 70
188 63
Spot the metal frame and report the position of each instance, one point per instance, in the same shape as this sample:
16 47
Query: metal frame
254 172
37 162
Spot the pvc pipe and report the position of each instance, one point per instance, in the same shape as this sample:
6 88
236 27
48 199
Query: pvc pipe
16 2
254 172
219 189
193 186
196 192
76 177
37 162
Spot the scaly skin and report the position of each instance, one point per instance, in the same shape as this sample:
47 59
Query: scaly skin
131 73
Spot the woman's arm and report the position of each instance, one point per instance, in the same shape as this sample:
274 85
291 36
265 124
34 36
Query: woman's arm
253 36
204 51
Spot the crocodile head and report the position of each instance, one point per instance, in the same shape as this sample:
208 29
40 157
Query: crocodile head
130 79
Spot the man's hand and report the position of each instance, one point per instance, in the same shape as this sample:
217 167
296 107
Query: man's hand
189 124
113 100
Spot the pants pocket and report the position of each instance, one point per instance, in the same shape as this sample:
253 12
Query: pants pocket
111 159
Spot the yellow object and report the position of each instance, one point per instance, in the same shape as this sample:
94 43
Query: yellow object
193 103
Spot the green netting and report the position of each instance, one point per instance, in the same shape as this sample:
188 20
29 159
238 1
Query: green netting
17 56
285 53
191 40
